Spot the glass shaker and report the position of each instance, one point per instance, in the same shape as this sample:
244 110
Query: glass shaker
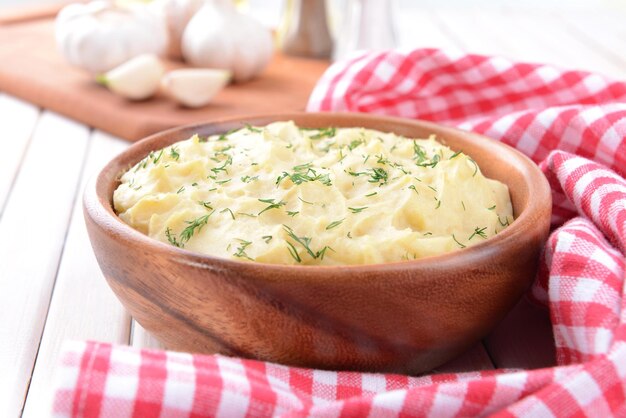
305 29
367 25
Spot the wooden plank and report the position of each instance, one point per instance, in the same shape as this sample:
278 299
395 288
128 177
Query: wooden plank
476 358
418 28
34 225
17 122
141 338
523 339
601 32
83 307
556 37
524 35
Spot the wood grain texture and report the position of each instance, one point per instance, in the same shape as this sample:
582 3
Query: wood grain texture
34 225
17 122
402 317
31 68
82 305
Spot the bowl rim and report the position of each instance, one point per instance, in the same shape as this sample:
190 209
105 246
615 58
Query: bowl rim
100 210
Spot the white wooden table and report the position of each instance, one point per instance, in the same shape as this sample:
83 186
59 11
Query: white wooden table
51 289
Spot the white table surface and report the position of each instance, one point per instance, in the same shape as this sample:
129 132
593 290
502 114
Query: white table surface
51 289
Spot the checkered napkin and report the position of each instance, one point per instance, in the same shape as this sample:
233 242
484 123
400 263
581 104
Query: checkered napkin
573 124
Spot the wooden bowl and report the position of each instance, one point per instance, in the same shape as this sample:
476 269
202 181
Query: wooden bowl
406 317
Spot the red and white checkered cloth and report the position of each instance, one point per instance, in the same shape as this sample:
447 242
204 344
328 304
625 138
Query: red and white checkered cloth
573 124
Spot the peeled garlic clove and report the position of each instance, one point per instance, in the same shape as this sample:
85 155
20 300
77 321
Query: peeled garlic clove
136 79
194 87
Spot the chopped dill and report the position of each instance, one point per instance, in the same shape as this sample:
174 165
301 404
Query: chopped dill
253 129
432 163
292 214
455 155
324 133
158 157
378 175
418 153
194 225
224 136
305 242
241 250
334 224
174 153
293 252
232 215
355 143
358 210
455 240
248 179
172 239
478 232
475 166
206 204
267 238
271 204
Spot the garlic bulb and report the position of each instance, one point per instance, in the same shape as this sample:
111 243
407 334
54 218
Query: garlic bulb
98 36
137 79
177 14
194 87
218 36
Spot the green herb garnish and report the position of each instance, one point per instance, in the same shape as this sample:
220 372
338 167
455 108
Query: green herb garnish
358 210
305 242
195 225
478 232
455 240
253 129
232 215
271 204
174 153
241 250
248 179
172 240
334 224
324 133
224 137
378 175
455 154
206 204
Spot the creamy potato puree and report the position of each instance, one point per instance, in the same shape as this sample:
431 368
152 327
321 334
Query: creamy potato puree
288 195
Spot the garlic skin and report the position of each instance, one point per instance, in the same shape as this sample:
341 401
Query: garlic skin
99 36
218 36
137 79
194 87
177 14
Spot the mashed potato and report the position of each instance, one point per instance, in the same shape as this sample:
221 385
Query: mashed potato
288 195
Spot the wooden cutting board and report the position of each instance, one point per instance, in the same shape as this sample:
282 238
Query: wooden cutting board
32 69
